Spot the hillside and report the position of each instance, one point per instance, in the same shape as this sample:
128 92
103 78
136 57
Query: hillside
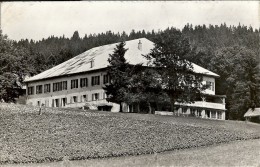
75 134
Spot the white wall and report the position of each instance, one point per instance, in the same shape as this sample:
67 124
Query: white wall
79 92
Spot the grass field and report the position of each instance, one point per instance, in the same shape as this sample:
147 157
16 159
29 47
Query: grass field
60 134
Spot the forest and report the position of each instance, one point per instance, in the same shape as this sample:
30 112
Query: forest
230 51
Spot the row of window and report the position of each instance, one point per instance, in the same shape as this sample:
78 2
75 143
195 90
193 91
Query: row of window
61 102
198 112
59 86
214 114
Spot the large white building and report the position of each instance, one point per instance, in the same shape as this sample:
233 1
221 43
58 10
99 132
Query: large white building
79 81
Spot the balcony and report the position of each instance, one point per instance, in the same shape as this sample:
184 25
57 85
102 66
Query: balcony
219 106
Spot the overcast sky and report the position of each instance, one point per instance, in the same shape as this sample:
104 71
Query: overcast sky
37 20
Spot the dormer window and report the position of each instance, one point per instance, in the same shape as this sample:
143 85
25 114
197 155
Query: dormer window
91 63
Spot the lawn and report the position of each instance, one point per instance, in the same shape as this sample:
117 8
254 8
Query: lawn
60 134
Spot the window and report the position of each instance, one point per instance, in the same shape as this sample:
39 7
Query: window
95 80
95 96
64 85
63 101
199 113
75 99
85 98
105 79
213 114
83 82
57 103
58 86
219 114
208 113
74 83
38 89
211 85
31 90
184 110
54 87
47 88
193 112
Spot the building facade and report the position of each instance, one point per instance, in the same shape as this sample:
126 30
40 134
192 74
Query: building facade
79 82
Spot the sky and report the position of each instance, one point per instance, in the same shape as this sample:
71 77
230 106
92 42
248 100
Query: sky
37 20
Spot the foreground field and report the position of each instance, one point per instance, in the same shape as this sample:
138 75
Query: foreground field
60 134
237 153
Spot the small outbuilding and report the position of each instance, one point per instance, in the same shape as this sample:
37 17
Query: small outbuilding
253 115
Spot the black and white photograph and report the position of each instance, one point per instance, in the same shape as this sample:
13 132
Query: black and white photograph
129 83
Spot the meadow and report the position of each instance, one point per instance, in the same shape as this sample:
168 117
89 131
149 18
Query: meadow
72 134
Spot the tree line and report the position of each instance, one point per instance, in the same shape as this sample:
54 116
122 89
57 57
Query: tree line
230 51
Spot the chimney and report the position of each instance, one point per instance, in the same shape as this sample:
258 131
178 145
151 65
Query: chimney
140 45
91 63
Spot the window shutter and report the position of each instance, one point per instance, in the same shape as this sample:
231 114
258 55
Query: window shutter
81 82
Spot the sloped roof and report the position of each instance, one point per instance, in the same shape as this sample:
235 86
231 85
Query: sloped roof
100 55
252 113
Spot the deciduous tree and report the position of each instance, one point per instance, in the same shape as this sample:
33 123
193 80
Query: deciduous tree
177 77
14 66
240 79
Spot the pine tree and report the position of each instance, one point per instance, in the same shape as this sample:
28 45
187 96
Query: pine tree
118 71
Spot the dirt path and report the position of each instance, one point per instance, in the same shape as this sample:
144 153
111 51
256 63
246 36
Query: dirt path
238 153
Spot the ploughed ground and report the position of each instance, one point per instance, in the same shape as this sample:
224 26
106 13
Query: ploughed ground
72 134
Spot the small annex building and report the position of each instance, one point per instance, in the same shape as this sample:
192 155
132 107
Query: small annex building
79 82
253 115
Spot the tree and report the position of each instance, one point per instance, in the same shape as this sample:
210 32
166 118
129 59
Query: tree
14 66
143 88
239 79
118 71
177 77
